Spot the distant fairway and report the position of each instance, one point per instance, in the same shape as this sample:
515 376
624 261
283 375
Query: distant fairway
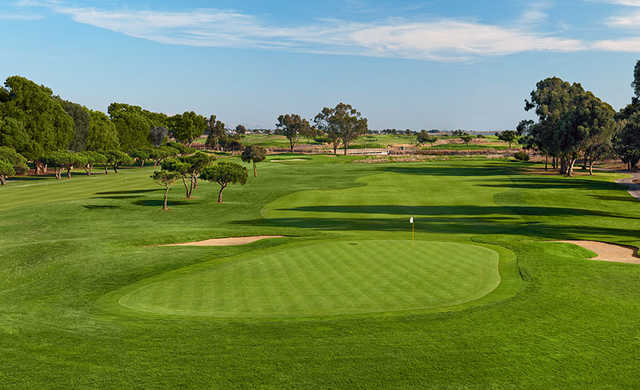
328 278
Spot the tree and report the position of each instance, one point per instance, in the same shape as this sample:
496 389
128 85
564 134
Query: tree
225 173
6 170
241 130
141 155
17 161
189 169
216 130
425 137
102 133
158 135
509 136
292 126
636 80
132 124
166 180
627 142
254 155
344 122
115 159
58 160
91 159
467 140
187 127
569 118
81 122
37 115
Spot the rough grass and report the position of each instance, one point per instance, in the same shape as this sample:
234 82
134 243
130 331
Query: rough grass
67 249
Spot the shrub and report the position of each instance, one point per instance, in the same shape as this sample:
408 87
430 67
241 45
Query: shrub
521 156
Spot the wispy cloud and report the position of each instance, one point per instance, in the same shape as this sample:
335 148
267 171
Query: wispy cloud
19 16
441 39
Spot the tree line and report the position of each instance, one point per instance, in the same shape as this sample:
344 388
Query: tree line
573 124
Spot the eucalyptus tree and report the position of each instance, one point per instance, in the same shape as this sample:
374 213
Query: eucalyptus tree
569 118
241 130
225 173
343 122
81 122
217 132
292 126
253 154
626 142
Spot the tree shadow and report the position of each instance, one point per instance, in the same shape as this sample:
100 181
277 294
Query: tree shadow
159 202
99 207
459 210
447 226
622 198
127 192
119 197
456 171
554 183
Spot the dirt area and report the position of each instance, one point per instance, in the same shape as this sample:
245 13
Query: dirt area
230 241
609 252
633 184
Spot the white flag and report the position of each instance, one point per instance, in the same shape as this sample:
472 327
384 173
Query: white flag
411 221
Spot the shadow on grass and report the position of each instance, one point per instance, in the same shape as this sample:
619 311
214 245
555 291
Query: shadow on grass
549 182
99 207
459 210
119 197
623 198
159 202
456 171
127 192
448 226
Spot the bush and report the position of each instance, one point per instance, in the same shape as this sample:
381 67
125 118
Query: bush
521 156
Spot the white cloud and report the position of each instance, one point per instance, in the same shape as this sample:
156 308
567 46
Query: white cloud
444 39
19 16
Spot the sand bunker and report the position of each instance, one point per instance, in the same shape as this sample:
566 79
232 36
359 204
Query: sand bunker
230 241
633 184
609 252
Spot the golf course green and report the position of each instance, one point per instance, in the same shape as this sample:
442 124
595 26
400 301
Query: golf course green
91 298
328 278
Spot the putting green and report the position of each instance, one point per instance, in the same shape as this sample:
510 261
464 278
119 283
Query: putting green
328 278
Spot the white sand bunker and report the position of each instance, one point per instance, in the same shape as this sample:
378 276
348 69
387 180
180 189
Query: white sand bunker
230 241
609 252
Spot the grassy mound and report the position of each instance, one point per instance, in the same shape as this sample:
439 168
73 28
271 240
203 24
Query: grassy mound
328 278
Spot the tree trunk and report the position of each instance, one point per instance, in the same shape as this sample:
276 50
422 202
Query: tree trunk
142 163
3 180
166 196
346 148
255 172
222 187
571 164
186 187
591 167
291 144
68 172
115 168
546 162
106 170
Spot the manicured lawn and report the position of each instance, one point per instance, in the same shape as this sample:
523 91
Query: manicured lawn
327 278
311 310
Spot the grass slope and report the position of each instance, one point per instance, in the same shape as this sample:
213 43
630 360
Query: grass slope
67 249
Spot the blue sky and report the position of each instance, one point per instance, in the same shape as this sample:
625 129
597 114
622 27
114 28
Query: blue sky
403 63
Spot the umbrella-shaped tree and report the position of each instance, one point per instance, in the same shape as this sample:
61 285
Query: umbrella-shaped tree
225 173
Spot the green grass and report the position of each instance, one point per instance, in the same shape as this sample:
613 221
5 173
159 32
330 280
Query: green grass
328 278
71 250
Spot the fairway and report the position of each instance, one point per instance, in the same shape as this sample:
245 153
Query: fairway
328 278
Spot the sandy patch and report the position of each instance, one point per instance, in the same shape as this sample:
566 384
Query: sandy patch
230 241
609 252
633 184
